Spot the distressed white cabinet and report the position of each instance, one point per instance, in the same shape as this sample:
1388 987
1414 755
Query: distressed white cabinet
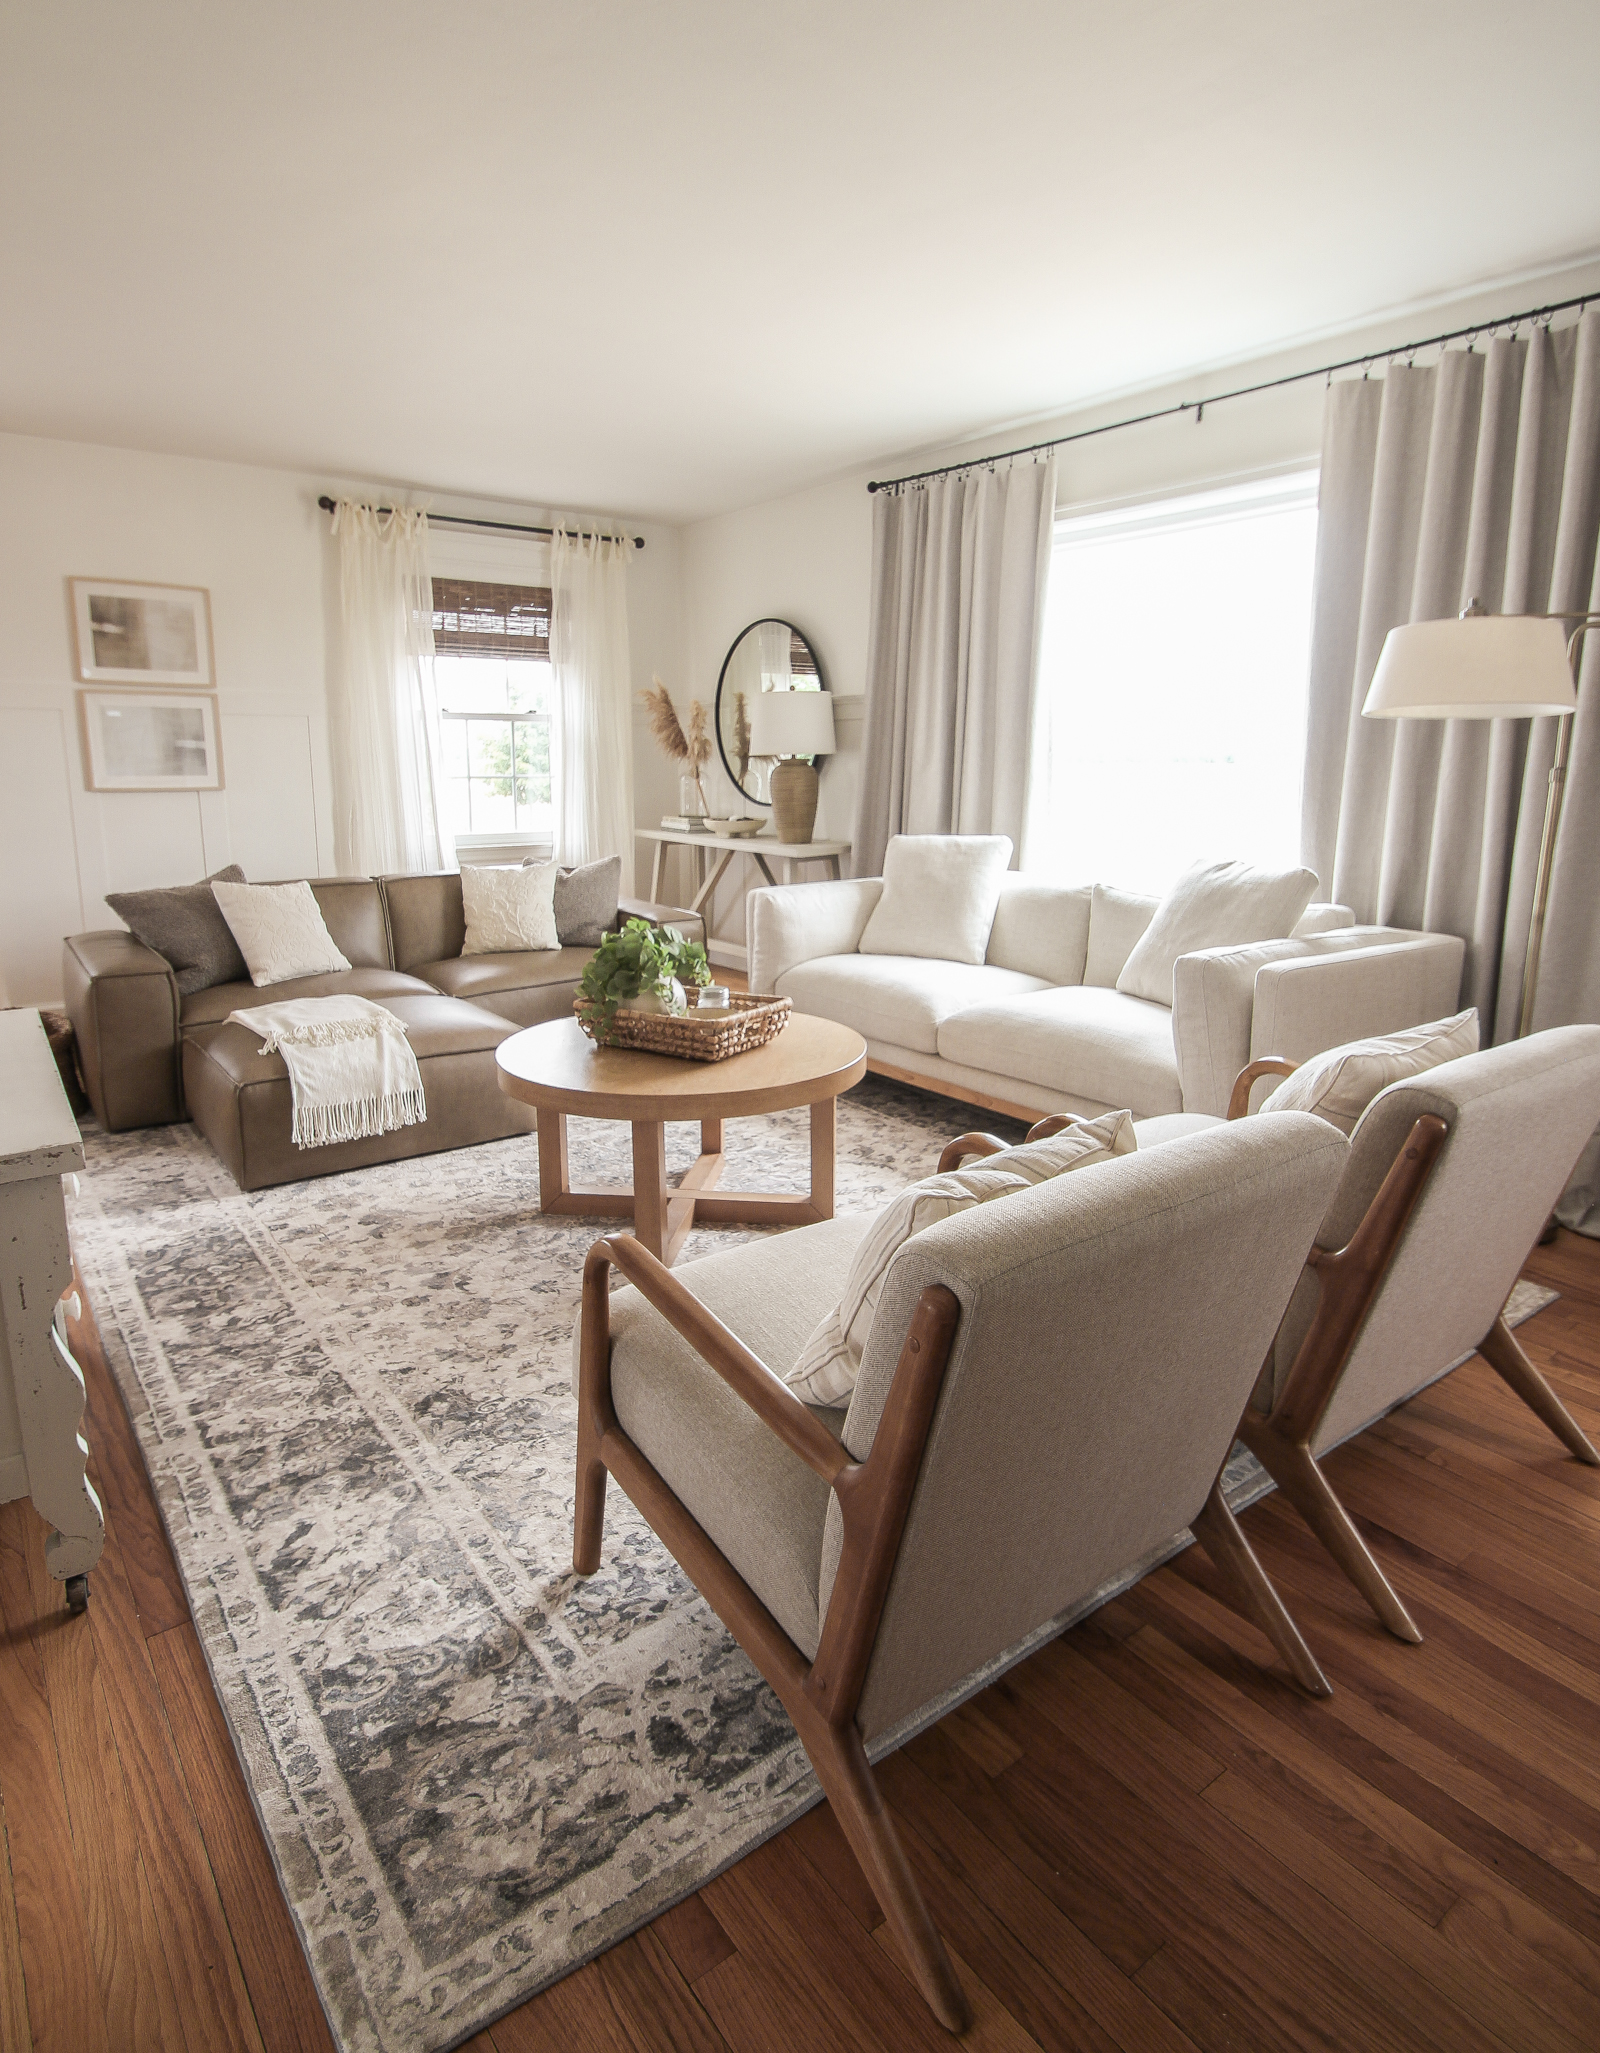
42 1452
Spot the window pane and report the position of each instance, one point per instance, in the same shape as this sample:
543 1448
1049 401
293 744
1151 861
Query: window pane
1173 687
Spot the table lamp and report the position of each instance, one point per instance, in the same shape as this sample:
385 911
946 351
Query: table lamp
1491 666
791 725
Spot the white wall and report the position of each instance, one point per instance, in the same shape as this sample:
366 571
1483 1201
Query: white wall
807 557
256 539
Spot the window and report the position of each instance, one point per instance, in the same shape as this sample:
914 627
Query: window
495 690
1172 685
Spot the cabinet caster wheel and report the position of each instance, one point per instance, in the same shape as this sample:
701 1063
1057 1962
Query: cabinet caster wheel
77 1593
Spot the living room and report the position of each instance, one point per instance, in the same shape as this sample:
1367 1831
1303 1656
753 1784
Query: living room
339 1748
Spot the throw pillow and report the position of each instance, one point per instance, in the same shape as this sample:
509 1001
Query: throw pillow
1341 1083
829 1363
509 911
586 901
280 931
1214 905
939 896
184 923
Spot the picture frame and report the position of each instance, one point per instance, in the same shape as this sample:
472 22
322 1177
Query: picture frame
128 632
150 741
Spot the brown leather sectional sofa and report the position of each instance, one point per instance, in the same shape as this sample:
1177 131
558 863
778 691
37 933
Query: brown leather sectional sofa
150 1056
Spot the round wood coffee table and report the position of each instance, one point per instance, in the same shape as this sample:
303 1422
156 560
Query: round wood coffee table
560 1070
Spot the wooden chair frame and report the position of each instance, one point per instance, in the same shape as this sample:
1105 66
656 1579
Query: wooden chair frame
822 1696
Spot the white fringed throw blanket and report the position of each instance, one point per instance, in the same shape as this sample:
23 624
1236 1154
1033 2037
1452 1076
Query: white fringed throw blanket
350 1067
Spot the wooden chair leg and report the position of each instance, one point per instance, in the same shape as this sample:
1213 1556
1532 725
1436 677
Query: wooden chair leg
1501 1349
1218 1531
1293 1468
851 1787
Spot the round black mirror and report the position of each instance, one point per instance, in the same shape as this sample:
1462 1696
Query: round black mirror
769 655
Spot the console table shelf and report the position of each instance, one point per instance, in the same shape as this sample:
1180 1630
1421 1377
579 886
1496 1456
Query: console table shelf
762 849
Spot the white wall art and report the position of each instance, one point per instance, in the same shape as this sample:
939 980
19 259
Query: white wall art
141 633
149 741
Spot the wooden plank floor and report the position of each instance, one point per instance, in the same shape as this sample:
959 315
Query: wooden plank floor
1137 1840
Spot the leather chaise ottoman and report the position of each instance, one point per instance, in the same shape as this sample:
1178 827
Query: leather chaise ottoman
241 1099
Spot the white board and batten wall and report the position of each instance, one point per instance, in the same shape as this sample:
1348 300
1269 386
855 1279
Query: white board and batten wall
257 541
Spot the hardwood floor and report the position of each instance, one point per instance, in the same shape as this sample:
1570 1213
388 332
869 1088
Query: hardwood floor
1137 1840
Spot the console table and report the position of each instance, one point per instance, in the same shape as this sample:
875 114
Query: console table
761 849
42 1452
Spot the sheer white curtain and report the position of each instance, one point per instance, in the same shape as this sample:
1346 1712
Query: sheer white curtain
384 723
594 691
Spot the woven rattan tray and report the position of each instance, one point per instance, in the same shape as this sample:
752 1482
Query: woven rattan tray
749 1022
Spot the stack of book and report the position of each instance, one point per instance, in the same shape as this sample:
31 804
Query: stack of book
682 823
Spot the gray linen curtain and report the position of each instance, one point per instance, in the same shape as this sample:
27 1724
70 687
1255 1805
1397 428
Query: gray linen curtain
958 581
1478 477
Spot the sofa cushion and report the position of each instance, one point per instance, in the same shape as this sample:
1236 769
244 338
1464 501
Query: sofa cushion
1342 1082
211 1007
939 896
527 986
1213 905
280 930
426 920
1079 1038
352 907
899 998
509 908
183 923
1116 920
586 902
1041 929
760 1504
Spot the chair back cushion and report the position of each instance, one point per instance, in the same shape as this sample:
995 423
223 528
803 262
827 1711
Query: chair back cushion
1112 1325
1518 1118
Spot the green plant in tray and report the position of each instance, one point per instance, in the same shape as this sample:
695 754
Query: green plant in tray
638 959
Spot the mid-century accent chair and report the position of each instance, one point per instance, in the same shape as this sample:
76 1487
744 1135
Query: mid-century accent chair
1449 1181
1048 1394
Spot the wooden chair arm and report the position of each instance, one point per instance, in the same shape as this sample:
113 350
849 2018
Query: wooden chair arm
1243 1083
966 1144
1053 1122
745 1374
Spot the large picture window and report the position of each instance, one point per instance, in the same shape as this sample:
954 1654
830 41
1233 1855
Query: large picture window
1172 686
495 693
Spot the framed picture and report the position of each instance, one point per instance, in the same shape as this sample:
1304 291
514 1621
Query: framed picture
150 741
141 634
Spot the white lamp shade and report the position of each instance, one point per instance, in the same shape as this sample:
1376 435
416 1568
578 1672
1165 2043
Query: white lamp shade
1491 666
791 723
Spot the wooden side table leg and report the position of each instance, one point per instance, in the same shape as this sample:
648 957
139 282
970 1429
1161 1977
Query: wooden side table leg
655 872
650 1184
552 1131
824 1133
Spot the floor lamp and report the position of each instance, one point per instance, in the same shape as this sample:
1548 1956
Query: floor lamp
1491 666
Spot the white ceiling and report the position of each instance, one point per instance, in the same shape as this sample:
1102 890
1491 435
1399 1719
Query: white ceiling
673 258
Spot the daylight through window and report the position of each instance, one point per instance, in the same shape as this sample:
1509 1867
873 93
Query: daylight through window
495 692
1172 685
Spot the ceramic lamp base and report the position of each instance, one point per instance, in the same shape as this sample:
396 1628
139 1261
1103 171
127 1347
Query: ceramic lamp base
794 799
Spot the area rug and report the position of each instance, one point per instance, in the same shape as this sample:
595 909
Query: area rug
473 1769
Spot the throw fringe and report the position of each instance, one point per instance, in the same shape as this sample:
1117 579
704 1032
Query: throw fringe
357 1119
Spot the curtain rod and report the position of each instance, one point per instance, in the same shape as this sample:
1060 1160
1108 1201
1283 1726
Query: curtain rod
1198 406
505 527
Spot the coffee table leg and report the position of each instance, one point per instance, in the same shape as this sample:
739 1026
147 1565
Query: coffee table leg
824 1132
552 1130
650 1184
711 1136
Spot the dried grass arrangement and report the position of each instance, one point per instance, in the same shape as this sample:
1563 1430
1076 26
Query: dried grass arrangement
692 749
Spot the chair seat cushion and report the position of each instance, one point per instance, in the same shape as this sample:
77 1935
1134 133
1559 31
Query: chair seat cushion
525 985
761 1504
1075 1038
899 998
210 1007
1173 1126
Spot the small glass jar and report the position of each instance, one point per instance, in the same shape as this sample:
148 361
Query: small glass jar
713 998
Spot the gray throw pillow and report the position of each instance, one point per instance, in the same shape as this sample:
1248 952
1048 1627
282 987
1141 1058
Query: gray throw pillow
586 901
184 923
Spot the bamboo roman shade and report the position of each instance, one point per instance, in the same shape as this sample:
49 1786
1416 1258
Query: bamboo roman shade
471 618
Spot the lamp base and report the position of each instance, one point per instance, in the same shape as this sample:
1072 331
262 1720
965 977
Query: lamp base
794 799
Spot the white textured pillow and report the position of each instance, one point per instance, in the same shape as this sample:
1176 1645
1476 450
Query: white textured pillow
939 896
1213 905
1341 1083
509 910
280 931
830 1361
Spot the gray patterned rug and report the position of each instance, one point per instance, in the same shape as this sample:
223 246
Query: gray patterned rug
474 1770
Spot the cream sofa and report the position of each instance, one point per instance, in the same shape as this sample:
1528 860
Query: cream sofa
1039 1026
